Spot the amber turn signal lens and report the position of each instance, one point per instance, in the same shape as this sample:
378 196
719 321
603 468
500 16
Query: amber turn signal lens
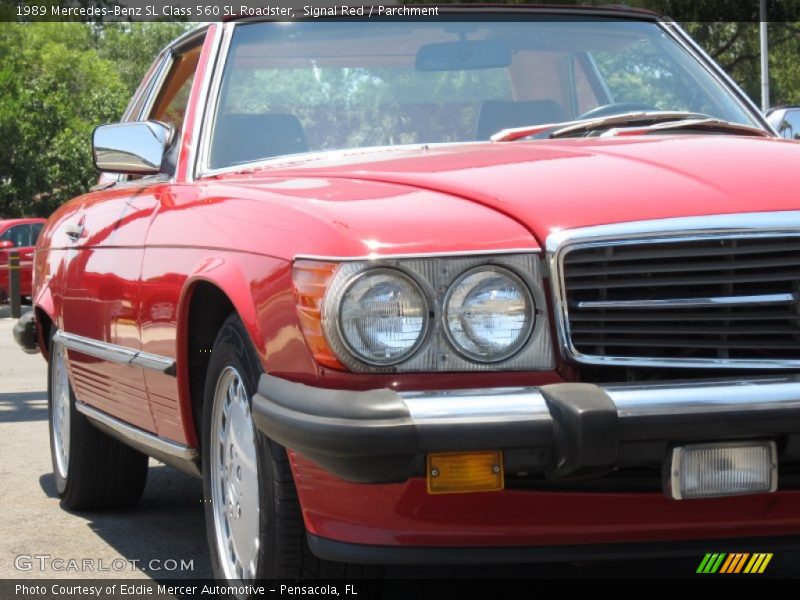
311 279
458 472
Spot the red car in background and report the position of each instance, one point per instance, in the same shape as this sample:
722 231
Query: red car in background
509 284
18 235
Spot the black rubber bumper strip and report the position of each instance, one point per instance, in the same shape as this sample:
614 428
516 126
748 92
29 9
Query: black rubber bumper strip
456 555
359 436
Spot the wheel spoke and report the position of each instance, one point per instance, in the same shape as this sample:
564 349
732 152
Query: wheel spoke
60 410
234 478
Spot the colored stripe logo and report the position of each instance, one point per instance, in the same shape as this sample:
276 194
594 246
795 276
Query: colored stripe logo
734 563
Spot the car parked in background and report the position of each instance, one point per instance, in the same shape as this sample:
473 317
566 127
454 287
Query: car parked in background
509 284
18 235
786 121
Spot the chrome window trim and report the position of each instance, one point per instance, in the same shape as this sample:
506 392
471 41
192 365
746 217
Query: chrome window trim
114 353
207 111
778 224
139 436
200 107
200 147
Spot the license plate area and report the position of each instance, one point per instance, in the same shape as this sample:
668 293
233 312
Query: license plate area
721 469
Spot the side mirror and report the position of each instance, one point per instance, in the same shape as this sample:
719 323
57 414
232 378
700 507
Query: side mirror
6 244
135 148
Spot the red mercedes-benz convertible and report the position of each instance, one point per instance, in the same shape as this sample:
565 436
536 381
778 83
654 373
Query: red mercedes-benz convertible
497 285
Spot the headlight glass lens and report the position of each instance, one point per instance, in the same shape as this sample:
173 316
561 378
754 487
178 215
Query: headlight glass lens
383 316
489 314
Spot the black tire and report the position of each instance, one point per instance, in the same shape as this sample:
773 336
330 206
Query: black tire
283 550
101 472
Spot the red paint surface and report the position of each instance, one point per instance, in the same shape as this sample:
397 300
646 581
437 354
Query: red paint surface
406 515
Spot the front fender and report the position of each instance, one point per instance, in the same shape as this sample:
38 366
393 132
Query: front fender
259 288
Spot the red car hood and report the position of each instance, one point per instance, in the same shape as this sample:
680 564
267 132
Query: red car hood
549 184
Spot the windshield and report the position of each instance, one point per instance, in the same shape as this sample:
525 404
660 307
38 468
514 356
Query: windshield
329 85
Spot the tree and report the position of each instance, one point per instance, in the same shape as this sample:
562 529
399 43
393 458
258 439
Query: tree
57 82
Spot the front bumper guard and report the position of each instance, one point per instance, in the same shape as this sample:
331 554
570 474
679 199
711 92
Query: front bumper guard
583 430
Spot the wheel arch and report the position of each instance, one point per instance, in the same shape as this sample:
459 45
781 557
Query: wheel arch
45 312
208 297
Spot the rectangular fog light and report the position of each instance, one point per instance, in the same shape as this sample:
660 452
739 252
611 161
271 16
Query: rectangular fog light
724 469
458 472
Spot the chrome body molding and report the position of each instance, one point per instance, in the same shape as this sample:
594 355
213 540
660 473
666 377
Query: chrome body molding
632 401
114 353
183 457
772 225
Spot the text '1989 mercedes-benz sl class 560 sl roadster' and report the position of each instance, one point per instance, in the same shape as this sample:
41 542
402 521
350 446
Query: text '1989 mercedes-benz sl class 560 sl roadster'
499 285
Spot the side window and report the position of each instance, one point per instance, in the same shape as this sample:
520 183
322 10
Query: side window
143 91
19 234
170 105
791 123
173 97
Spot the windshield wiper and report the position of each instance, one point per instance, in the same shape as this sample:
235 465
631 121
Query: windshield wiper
621 124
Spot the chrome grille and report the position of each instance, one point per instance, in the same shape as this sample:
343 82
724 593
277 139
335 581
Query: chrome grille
727 300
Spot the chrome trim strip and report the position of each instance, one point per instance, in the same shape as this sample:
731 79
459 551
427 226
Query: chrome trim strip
212 67
773 225
693 302
633 401
115 353
139 436
375 256
208 109
465 406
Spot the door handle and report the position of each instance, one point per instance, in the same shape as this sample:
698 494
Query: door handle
74 231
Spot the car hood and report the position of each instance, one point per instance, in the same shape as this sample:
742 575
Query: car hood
562 184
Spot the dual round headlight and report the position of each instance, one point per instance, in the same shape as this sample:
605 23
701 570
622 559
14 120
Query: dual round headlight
384 315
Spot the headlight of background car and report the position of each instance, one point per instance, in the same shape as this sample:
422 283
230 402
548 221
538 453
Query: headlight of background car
488 314
425 314
383 316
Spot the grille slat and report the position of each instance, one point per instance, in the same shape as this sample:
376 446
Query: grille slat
650 316
689 280
739 270
695 330
635 253
655 267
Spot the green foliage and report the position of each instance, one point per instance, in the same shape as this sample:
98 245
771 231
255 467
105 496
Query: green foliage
57 82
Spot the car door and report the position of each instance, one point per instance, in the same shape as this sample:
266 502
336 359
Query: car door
22 237
99 288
